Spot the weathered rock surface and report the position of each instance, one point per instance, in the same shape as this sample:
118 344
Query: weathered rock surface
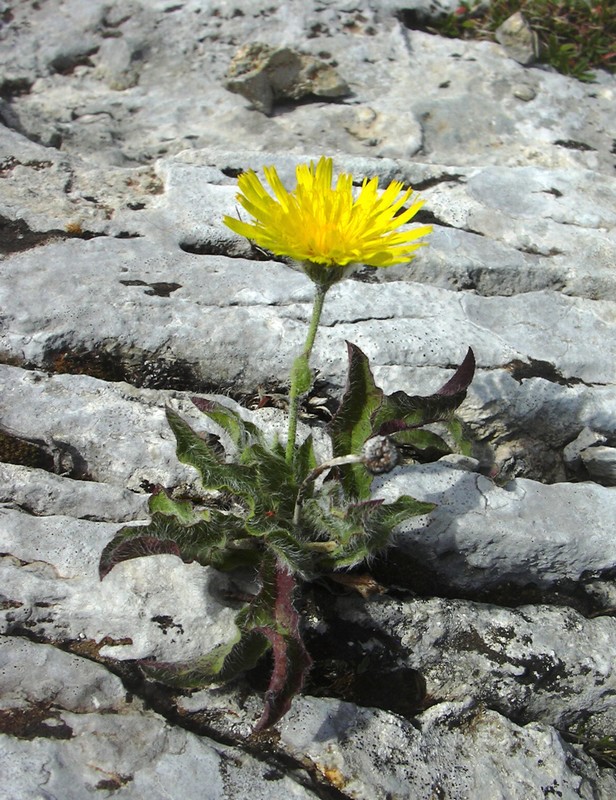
265 75
122 292
518 39
70 730
372 754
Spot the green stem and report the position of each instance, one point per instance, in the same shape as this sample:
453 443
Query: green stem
294 393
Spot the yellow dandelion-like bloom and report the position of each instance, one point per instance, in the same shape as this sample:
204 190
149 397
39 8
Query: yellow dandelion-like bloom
325 225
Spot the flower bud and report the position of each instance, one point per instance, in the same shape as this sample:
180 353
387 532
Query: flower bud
380 455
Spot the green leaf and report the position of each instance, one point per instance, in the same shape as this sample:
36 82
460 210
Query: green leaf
274 485
205 541
288 550
215 474
352 424
241 431
387 516
183 510
304 460
460 436
369 528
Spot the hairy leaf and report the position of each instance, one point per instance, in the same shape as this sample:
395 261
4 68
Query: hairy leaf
241 431
369 527
291 659
352 423
215 474
304 461
288 550
223 663
203 541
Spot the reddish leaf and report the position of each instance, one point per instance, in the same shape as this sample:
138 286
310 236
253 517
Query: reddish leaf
462 377
291 659
136 548
203 404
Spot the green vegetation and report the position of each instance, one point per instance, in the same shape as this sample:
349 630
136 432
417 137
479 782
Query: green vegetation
576 36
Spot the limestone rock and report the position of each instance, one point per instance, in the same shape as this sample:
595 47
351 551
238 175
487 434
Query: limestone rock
519 39
539 663
265 75
450 752
70 729
538 535
601 464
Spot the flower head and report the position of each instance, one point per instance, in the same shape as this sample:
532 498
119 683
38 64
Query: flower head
329 226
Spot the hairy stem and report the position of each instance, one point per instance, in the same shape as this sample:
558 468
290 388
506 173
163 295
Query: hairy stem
295 393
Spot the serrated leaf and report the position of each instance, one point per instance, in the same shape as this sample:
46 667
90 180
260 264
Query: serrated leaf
183 510
352 423
241 432
204 541
215 474
415 410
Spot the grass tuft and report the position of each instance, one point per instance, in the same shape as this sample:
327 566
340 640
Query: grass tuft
576 36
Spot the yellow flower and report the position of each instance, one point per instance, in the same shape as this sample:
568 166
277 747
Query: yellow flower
327 225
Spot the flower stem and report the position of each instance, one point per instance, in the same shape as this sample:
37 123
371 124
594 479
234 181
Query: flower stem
296 390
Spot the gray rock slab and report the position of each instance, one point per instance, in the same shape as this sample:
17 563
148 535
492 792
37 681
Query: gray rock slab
499 230
37 674
532 663
78 734
104 295
601 464
119 84
145 607
450 750
119 153
43 493
122 437
115 436
545 369
525 533
135 756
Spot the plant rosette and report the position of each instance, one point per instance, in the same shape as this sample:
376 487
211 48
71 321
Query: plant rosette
280 518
